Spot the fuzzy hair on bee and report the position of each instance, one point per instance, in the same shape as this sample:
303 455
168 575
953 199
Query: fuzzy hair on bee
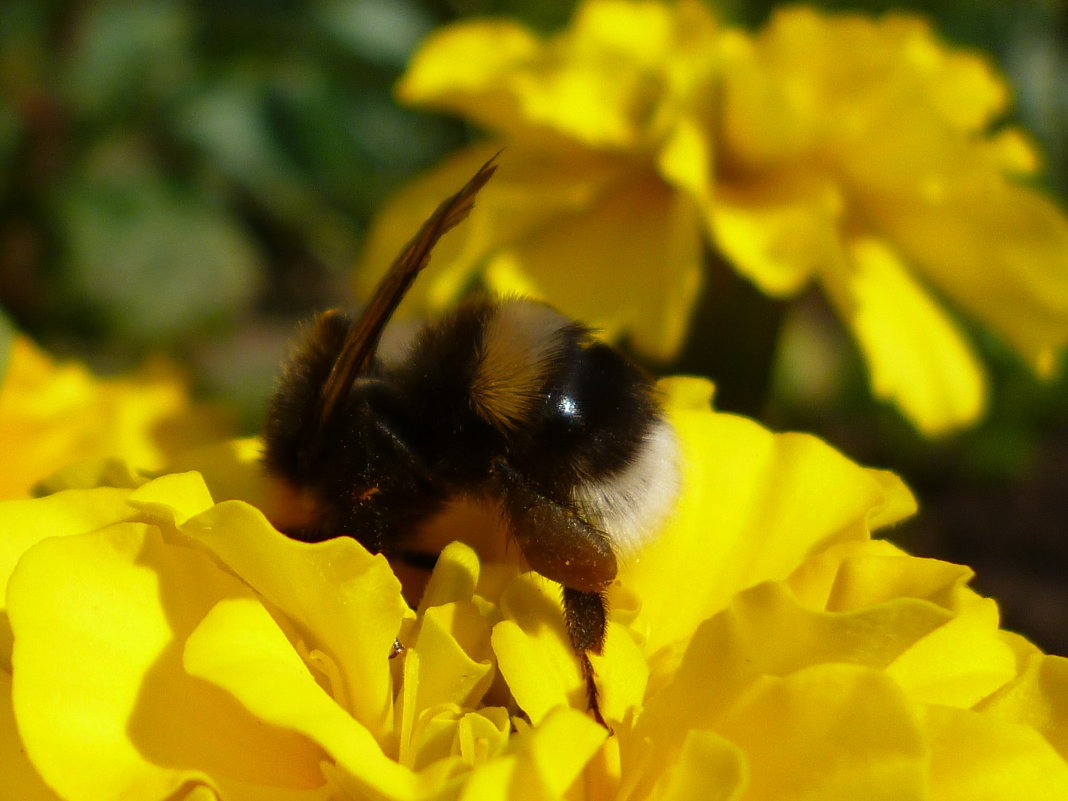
503 402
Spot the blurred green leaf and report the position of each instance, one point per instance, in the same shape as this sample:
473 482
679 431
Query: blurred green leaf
225 121
156 257
380 31
126 51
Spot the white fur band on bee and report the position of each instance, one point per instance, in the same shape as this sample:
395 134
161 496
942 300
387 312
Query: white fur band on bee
631 505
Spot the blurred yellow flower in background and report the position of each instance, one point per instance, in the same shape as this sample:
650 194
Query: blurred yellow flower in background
857 153
156 644
56 414
597 202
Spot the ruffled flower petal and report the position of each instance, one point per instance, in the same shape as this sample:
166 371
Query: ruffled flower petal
533 652
976 756
21 779
632 279
708 768
753 505
1037 697
346 602
53 415
598 84
1002 254
916 355
897 123
98 620
530 191
239 648
763 646
455 71
778 234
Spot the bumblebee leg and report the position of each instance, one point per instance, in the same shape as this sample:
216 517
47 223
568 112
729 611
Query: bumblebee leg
586 617
562 546
555 539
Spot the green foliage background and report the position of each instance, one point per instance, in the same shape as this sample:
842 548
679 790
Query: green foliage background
193 177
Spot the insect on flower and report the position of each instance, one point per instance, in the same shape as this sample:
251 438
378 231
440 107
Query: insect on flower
504 402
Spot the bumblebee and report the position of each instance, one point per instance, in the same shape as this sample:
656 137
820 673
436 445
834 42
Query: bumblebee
504 403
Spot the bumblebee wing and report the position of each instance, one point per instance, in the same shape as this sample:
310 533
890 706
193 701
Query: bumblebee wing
362 341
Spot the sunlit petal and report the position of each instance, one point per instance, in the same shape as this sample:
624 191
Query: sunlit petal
753 505
916 355
95 704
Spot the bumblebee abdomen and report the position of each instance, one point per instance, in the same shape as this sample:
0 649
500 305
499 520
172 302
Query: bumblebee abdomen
579 418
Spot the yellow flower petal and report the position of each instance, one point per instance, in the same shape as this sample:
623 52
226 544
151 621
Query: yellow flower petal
240 648
765 631
811 83
21 780
825 732
173 498
599 80
447 731
777 234
1003 254
753 505
709 768
979 757
482 735
346 601
821 732
858 574
1037 697
916 356
454 70
530 190
959 664
96 620
629 283
53 415
686 161
642 30
455 577
533 653
555 752
597 83
965 86
458 636
543 762
26 522
1015 151
622 675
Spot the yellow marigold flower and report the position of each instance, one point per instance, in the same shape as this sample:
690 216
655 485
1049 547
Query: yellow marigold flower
840 149
55 414
157 644
859 152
